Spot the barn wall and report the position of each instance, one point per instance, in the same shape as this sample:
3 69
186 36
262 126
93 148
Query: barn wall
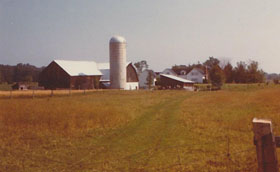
84 82
132 86
167 82
143 79
131 74
53 76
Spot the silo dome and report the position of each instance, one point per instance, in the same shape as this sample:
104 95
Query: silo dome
117 62
117 39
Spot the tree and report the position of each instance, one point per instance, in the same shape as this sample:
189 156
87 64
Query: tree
240 73
211 62
20 72
27 78
150 79
1 77
141 66
215 73
229 73
254 74
276 81
216 76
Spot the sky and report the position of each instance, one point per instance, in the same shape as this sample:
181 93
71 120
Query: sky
162 32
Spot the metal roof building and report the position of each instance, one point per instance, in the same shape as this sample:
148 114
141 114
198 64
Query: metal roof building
175 82
72 74
79 68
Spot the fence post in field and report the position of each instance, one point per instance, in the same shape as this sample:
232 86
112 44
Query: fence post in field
11 94
265 146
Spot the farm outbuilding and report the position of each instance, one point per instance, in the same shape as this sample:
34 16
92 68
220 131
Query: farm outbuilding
20 86
195 74
65 74
175 82
144 78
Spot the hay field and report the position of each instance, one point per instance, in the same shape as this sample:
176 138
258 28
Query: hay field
135 130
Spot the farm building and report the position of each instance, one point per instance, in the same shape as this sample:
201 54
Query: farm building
196 75
132 82
26 86
61 74
144 78
173 82
20 86
169 72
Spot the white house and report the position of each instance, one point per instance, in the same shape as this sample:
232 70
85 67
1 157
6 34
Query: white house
196 75
143 79
169 72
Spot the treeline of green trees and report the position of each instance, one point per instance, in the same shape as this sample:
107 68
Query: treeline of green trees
19 73
225 73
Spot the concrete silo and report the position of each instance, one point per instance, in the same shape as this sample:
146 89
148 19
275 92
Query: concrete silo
118 62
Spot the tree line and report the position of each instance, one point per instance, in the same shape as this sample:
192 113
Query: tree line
19 73
225 73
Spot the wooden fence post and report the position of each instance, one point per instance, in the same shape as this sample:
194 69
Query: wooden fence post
11 94
265 145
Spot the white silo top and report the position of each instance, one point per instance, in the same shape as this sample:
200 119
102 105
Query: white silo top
117 39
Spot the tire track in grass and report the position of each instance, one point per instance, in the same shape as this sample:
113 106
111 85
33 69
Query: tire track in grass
169 121
133 146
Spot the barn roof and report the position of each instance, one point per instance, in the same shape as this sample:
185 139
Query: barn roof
104 68
177 78
79 68
83 68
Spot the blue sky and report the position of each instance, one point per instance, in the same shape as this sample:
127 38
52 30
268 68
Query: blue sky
163 32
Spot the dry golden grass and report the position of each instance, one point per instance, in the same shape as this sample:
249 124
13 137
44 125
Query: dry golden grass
43 93
135 130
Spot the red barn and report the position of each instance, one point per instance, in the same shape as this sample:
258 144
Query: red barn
64 74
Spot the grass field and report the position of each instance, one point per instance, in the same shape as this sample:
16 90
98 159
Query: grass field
136 130
5 87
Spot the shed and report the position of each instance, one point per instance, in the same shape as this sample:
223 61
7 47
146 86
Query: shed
174 82
20 86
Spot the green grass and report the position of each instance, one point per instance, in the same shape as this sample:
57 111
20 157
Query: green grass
5 87
135 130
